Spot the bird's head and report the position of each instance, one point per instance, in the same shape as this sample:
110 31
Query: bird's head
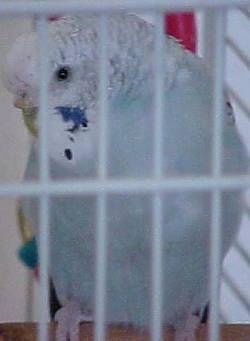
72 79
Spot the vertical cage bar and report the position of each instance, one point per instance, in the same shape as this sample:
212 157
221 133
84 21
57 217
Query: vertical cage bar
101 233
100 290
103 98
156 321
43 60
43 245
207 35
217 63
158 99
156 313
43 250
215 268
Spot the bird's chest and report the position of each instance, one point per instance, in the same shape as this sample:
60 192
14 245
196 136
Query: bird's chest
129 220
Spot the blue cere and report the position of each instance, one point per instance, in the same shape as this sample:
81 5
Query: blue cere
74 114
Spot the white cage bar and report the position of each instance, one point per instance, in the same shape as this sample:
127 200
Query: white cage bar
216 62
52 7
103 186
126 185
101 233
156 309
44 214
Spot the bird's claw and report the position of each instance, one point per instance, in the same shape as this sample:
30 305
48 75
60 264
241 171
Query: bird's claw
187 331
68 320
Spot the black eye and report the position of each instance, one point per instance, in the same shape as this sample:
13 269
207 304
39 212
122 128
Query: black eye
63 73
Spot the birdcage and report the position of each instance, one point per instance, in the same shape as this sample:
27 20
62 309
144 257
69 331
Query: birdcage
222 33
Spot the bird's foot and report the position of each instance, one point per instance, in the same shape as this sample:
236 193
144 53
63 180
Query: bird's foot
187 331
68 320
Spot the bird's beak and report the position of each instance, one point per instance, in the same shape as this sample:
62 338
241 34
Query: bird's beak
29 113
19 103
23 103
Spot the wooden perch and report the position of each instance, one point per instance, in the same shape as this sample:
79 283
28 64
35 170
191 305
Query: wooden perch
27 332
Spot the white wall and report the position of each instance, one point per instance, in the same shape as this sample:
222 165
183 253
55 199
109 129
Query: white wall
13 149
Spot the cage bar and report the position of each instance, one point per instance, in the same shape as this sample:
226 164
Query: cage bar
43 240
101 232
156 313
219 18
243 253
23 8
239 101
237 50
242 298
115 186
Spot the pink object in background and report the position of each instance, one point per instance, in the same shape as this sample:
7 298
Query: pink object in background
182 26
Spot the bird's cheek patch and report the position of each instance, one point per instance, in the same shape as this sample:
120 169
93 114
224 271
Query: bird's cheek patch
74 115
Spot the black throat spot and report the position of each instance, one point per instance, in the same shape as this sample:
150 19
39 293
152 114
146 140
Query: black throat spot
68 154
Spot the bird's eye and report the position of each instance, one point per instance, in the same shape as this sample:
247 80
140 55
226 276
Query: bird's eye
63 73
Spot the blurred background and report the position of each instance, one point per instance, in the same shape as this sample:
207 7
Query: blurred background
17 286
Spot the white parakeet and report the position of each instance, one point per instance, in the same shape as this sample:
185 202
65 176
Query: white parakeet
73 149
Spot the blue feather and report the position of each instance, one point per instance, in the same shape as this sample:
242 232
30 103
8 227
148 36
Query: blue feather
74 114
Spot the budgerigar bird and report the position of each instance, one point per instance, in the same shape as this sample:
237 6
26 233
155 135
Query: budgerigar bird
73 121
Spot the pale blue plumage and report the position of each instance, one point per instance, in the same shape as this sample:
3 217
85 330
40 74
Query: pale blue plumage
187 149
